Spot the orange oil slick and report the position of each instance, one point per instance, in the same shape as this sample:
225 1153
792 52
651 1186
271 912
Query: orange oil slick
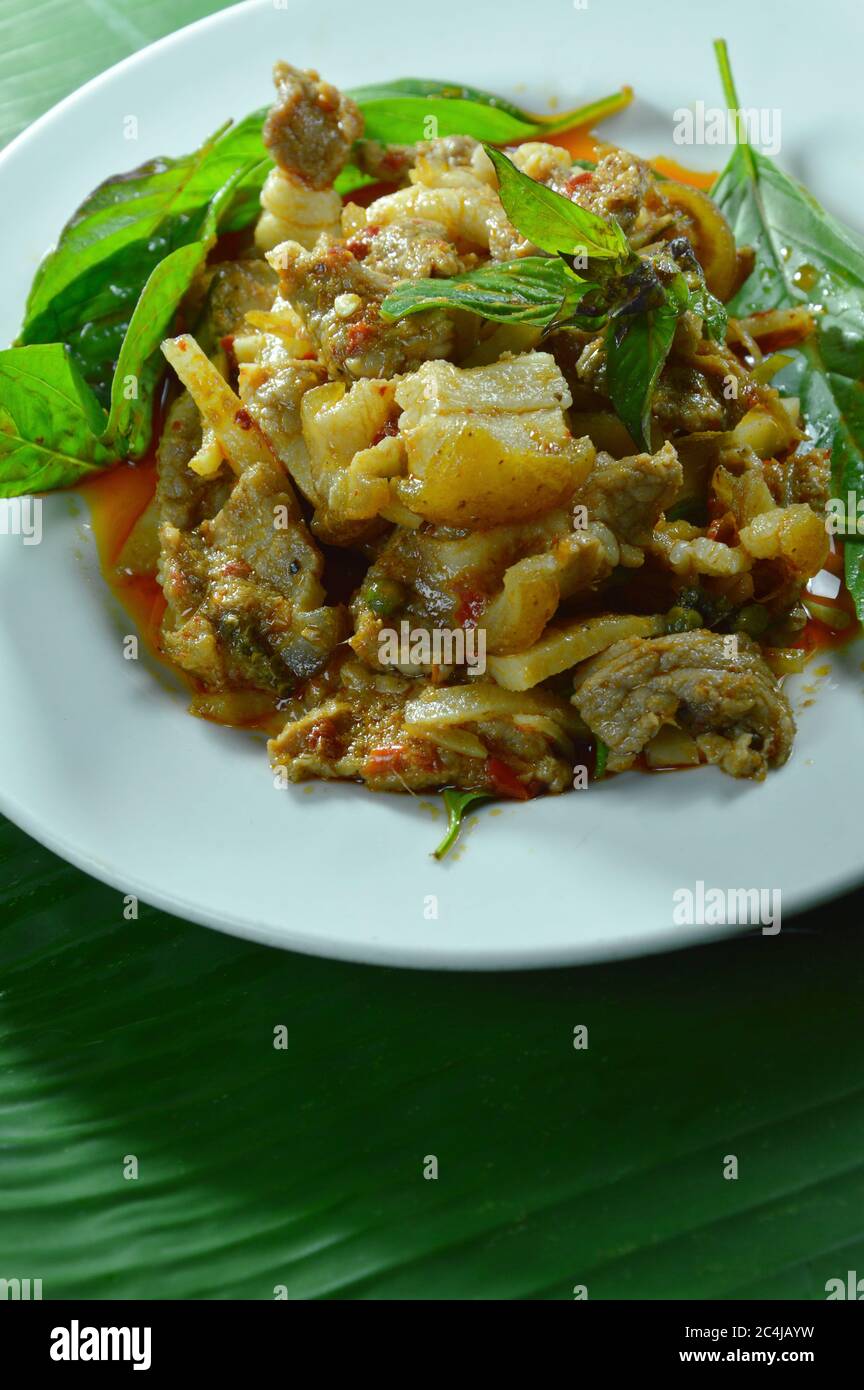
116 501
578 142
817 636
696 178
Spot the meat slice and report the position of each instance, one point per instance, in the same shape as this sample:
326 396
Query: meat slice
182 497
311 126
716 688
804 477
687 401
384 163
618 187
236 287
245 600
338 299
629 495
410 249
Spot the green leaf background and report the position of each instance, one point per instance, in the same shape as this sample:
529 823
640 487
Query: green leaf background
303 1167
261 1167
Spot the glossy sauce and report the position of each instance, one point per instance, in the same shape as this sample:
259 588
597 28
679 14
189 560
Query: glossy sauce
817 636
116 500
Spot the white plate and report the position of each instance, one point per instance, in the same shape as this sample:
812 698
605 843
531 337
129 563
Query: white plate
100 760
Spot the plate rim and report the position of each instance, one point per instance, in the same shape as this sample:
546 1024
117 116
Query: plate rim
422 956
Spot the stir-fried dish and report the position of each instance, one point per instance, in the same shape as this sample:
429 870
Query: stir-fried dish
468 479
480 471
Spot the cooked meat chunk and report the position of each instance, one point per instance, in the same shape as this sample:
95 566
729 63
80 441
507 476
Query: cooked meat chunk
803 477
272 392
629 495
411 249
311 126
338 299
794 535
182 498
688 552
716 688
405 735
686 401
292 212
384 163
468 209
351 454
449 159
617 188
549 164
245 600
236 288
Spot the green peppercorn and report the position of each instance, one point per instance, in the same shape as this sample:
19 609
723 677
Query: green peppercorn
384 596
680 619
691 598
716 609
753 619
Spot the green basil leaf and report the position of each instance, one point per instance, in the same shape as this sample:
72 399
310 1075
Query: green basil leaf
637 346
86 289
805 256
456 804
530 289
411 109
50 422
139 368
550 220
140 365
712 312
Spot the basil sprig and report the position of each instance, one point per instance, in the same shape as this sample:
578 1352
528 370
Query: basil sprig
54 430
551 221
638 341
86 289
637 305
540 290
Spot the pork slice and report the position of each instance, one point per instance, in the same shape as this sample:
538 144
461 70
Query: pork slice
183 499
245 600
717 688
338 299
629 495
